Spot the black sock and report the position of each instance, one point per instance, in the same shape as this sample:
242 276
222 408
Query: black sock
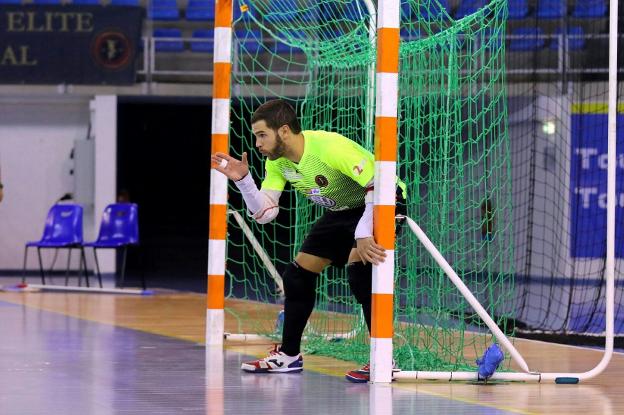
300 289
361 283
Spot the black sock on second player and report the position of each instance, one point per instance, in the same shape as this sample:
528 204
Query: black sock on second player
361 283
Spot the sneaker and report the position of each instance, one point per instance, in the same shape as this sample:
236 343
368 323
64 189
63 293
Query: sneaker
362 375
275 362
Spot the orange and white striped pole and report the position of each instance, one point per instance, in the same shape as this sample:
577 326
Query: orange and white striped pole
218 182
387 79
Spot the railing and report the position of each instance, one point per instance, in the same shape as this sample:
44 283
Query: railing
518 62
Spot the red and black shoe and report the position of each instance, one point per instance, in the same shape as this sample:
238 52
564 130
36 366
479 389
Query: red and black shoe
362 375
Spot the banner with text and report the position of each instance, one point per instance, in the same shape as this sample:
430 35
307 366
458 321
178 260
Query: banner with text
588 186
69 44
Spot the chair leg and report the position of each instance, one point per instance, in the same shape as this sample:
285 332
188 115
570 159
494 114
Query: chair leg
79 270
123 266
97 266
68 263
143 283
83 259
24 268
41 266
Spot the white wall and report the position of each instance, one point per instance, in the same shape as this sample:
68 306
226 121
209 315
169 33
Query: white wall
36 138
104 131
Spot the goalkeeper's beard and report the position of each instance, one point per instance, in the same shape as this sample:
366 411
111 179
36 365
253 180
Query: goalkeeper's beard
280 149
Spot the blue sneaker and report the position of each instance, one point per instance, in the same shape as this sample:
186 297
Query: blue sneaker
489 362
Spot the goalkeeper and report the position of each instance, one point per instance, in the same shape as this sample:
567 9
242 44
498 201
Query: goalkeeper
331 171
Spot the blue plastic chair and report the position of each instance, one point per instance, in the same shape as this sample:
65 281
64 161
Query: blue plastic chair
526 39
163 10
551 9
576 38
172 45
518 9
49 2
10 1
589 9
63 229
86 2
200 10
468 7
203 41
119 229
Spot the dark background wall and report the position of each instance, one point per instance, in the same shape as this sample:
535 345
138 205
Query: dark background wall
164 165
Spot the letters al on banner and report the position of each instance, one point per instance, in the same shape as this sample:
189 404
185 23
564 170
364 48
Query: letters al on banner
588 186
69 44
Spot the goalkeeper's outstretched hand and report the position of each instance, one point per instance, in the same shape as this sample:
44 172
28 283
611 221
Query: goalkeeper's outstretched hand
234 169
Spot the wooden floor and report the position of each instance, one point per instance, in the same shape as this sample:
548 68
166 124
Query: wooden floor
182 316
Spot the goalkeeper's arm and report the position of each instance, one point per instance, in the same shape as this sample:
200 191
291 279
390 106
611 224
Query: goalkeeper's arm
261 204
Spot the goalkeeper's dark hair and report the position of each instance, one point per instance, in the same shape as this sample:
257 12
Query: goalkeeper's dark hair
277 113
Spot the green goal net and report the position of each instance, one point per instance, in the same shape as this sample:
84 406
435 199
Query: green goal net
453 156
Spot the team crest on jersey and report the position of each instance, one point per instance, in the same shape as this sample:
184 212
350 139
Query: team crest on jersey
357 170
321 180
323 201
291 175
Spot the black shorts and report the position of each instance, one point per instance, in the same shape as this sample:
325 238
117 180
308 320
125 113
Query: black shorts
332 237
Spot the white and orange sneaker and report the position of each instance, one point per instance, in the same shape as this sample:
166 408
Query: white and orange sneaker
275 362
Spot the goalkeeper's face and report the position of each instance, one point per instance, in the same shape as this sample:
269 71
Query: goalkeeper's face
268 141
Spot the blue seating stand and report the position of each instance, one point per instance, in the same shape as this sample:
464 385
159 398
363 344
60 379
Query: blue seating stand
280 47
63 229
518 9
163 10
434 11
551 9
200 10
527 39
119 228
249 40
203 41
171 45
125 3
575 36
468 7
590 9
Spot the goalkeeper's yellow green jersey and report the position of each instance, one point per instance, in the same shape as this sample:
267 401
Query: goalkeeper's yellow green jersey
333 171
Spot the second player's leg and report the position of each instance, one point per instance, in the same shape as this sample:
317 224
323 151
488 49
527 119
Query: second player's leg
360 278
